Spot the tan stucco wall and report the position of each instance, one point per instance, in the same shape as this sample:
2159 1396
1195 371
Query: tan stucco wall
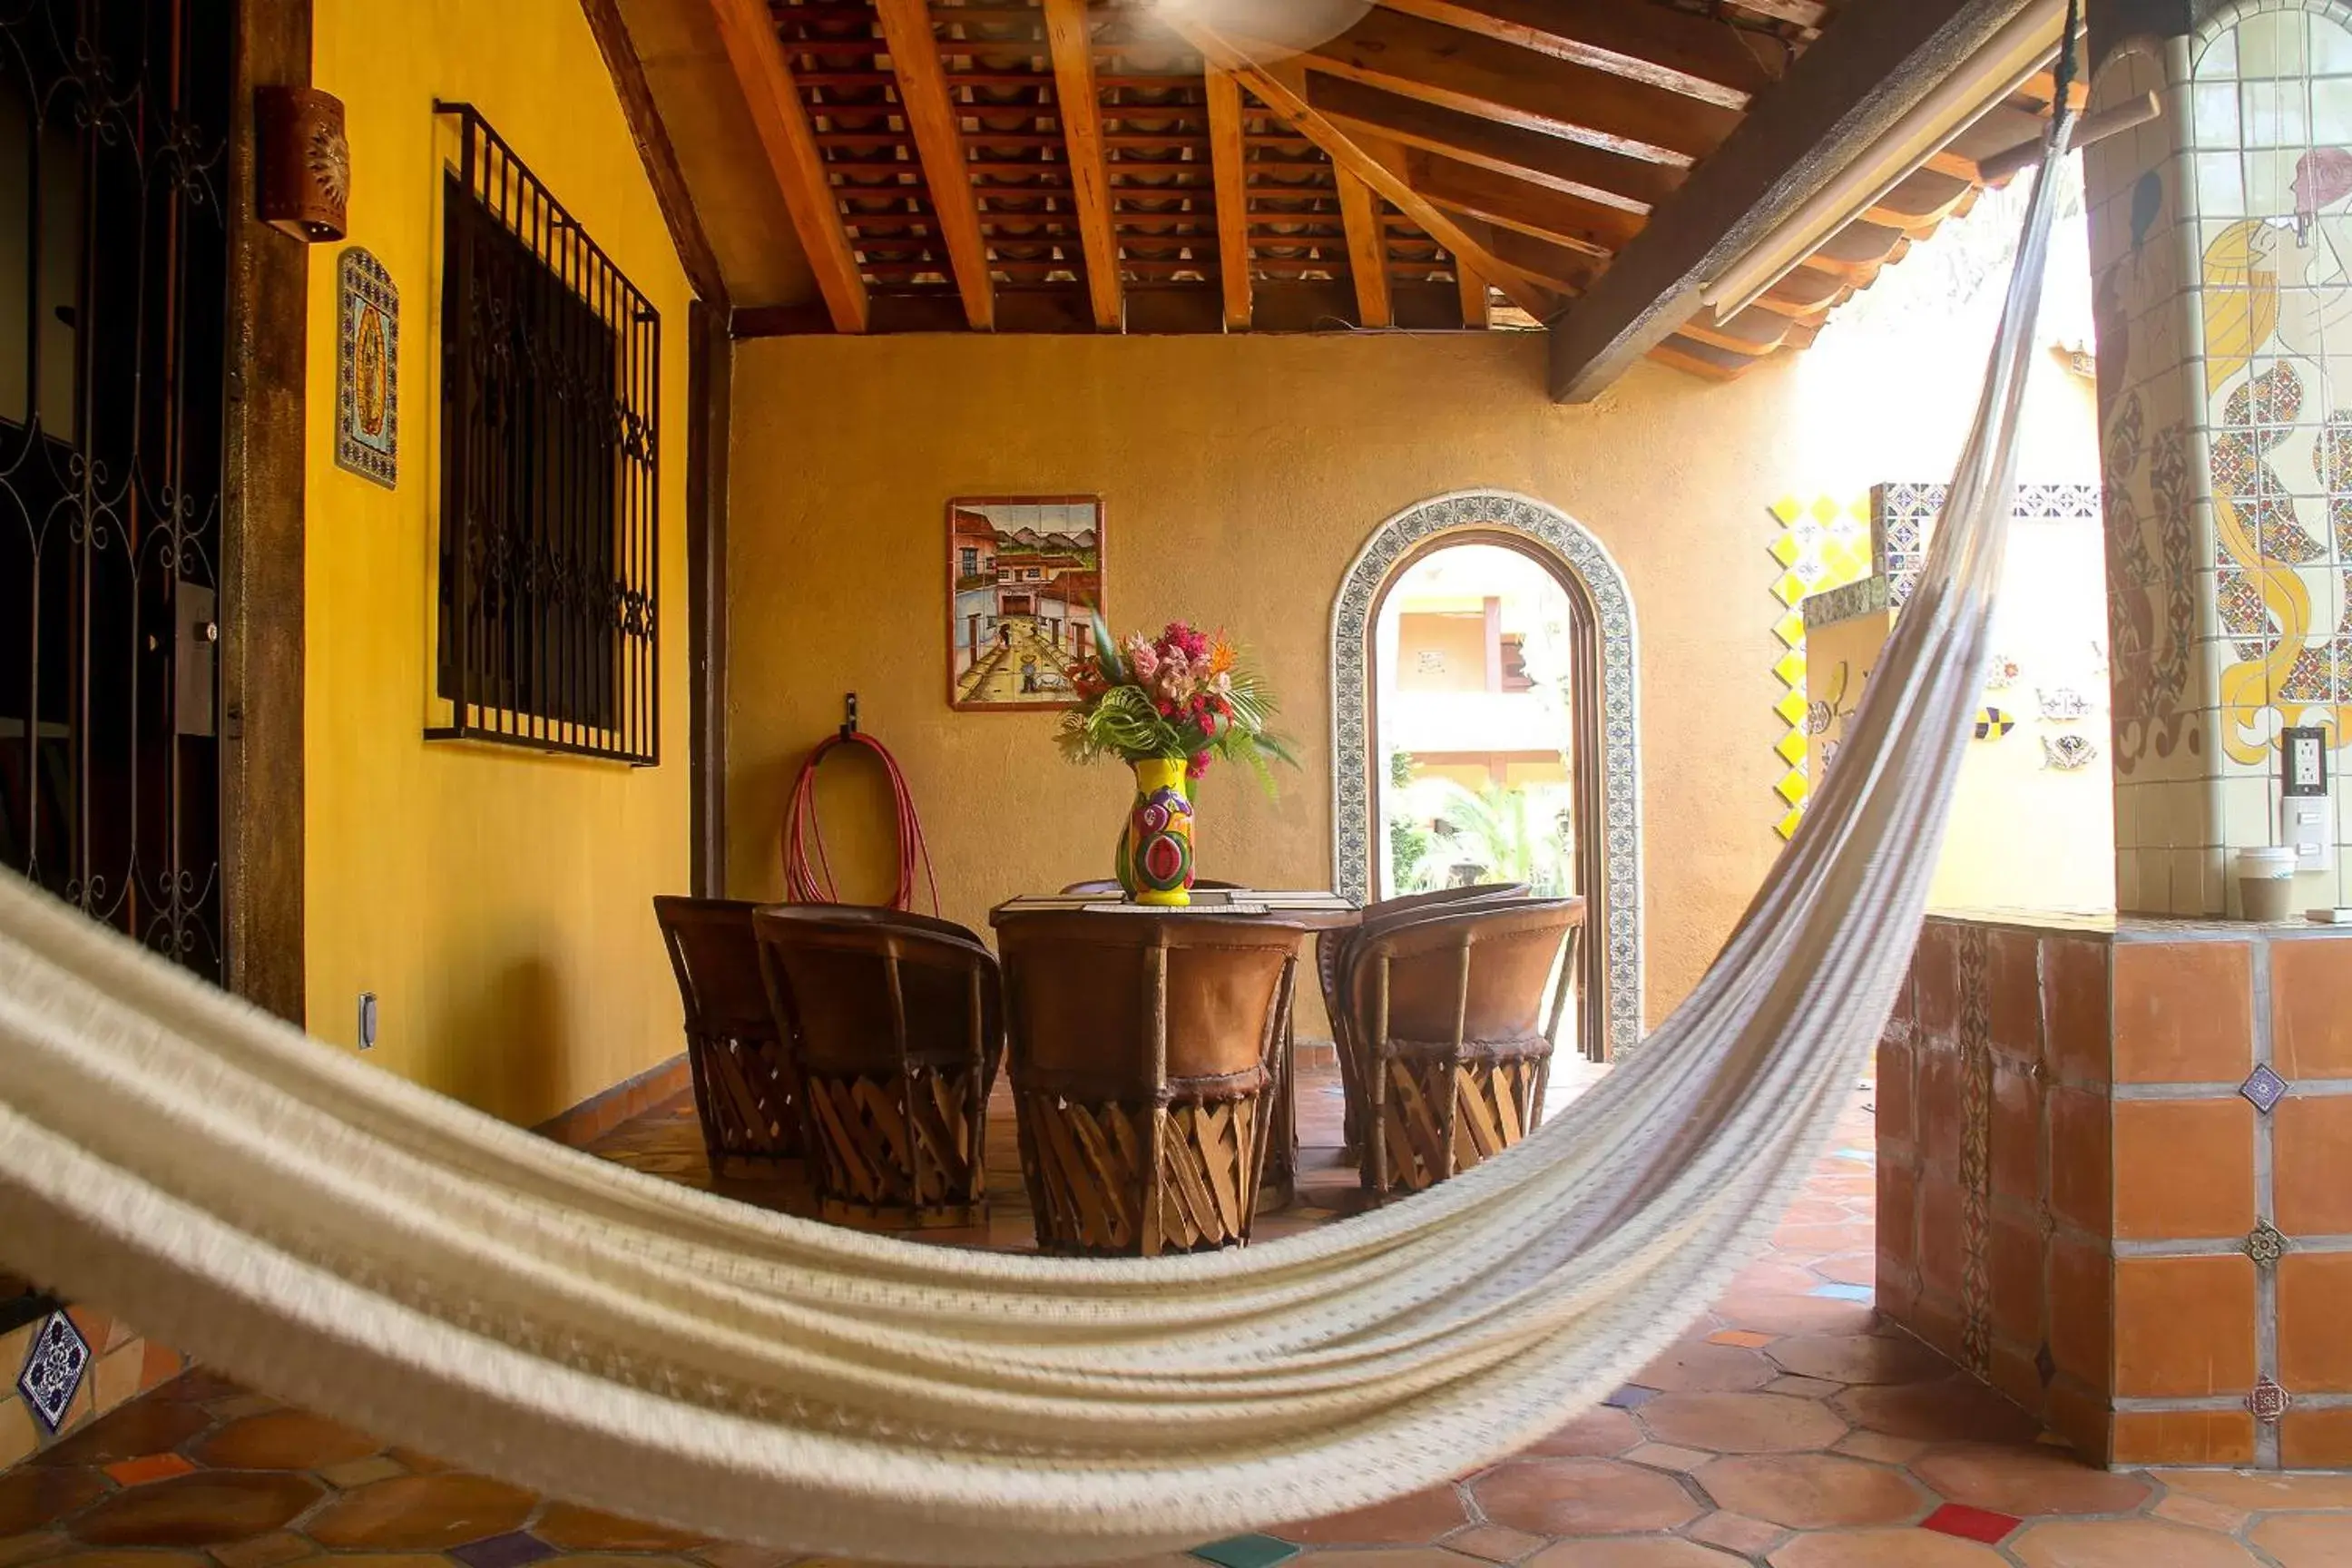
1240 477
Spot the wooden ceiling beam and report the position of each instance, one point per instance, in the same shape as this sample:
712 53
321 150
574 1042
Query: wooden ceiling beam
1282 89
1519 204
757 57
1634 183
1367 251
1477 306
1843 94
1226 157
1672 49
1501 82
929 106
1553 266
1080 110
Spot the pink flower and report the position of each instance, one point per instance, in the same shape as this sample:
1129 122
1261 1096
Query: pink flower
1142 659
1197 766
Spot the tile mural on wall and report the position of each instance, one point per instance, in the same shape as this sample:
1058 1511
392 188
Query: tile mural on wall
1821 544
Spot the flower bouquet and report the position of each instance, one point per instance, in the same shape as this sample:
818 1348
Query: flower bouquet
1167 707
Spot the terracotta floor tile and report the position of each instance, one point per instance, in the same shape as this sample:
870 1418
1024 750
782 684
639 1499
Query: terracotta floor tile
1859 1358
147 1468
262 1550
2255 1493
1794 1312
2027 1479
2125 1543
1695 1366
1803 1387
41 1546
1407 1521
1879 1447
1631 1555
285 1440
1666 1457
2305 1540
1742 1338
131 1559
1814 1491
1741 1423
200 1383
360 1472
1953 1410
1735 1532
577 1529
1886 1549
2200 1514
736 1555
1583 1496
34 1497
199 1509
1850 1267
411 1513
1416 1557
1494 1543
1597 1434
140 1427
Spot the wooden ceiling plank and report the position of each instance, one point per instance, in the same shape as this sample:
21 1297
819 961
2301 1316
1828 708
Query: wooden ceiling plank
1080 111
1634 183
1553 266
1803 13
757 57
657 153
1227 157
1843 94
1518 204
1478 304
1367 251
1672 49
1501 82
1282 89
930 110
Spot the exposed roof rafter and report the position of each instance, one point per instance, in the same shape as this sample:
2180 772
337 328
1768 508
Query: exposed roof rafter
1080 108
930 110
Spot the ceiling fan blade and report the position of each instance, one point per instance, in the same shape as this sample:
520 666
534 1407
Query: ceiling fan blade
1268 29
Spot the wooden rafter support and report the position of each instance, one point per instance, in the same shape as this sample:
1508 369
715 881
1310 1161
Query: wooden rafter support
1504 82
786 137
1080 110
657 152
1672 49
1477 310
1282 89
1520 204
930 110
1843 95
1227 155
1368 249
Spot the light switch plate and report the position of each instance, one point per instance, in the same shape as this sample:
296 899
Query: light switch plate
2303 828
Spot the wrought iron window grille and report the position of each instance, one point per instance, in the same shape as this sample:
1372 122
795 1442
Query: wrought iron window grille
547 632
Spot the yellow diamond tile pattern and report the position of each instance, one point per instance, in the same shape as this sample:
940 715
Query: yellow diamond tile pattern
1821 542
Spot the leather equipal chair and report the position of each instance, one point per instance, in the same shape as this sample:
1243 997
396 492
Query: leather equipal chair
895 1025
745 1092
1143 1051
1447 1003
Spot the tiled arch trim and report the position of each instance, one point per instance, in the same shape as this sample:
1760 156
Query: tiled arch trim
1577 552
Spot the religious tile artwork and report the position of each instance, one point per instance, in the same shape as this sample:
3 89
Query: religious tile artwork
367 369
1820 547
2271 127
1024 590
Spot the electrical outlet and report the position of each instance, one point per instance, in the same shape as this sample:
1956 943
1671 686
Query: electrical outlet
367 1019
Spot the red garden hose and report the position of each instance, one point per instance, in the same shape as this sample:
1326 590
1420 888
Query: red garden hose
804 886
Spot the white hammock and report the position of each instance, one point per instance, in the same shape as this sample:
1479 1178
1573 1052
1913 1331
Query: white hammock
352 1243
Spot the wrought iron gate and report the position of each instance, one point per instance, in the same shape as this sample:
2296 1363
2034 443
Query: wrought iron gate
114 118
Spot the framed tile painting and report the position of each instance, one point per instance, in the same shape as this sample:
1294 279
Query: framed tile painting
1024 585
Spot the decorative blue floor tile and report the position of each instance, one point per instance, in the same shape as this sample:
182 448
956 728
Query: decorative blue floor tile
1247 1552
1633 1396
512 1551
1845 1293
53 1369
2263 1088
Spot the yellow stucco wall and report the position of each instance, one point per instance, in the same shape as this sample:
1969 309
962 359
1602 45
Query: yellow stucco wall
495 900
1239 476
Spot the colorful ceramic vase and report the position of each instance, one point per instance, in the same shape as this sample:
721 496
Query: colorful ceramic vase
1155 850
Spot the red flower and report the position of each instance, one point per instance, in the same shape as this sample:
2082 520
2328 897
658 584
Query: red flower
1197 766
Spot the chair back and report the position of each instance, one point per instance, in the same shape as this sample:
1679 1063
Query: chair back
1142 1051
1331 950
894 1023
745 1092
1448 1003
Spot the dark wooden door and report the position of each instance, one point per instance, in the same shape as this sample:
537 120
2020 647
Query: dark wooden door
114 123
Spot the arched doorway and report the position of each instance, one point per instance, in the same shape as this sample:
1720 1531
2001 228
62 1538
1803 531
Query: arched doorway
1599 711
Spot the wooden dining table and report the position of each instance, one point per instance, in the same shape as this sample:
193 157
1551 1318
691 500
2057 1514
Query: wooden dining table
1304 911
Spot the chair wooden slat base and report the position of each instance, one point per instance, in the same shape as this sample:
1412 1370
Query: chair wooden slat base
743 1092
875 1173
746 1093
1087 1163
1497 1102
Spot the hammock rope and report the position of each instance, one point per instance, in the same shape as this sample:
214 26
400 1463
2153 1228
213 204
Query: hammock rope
347 1241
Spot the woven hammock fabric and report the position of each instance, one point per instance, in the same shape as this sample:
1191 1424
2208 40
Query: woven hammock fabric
352 1243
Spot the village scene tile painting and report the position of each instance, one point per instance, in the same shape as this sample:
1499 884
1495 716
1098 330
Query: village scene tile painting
1027 588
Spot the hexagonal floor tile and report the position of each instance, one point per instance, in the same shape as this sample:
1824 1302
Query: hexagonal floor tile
1952 1410
2125 1543
1813 1492
2257 1493
1583 1496
1742 1423
1696 1366
1407 1521
2027 1478
2306 1540
33 1495
285 1440
1886 1549
140 1427
1859 1358
1631 1555
577 1529
1600 1432
208 1507
421 1513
